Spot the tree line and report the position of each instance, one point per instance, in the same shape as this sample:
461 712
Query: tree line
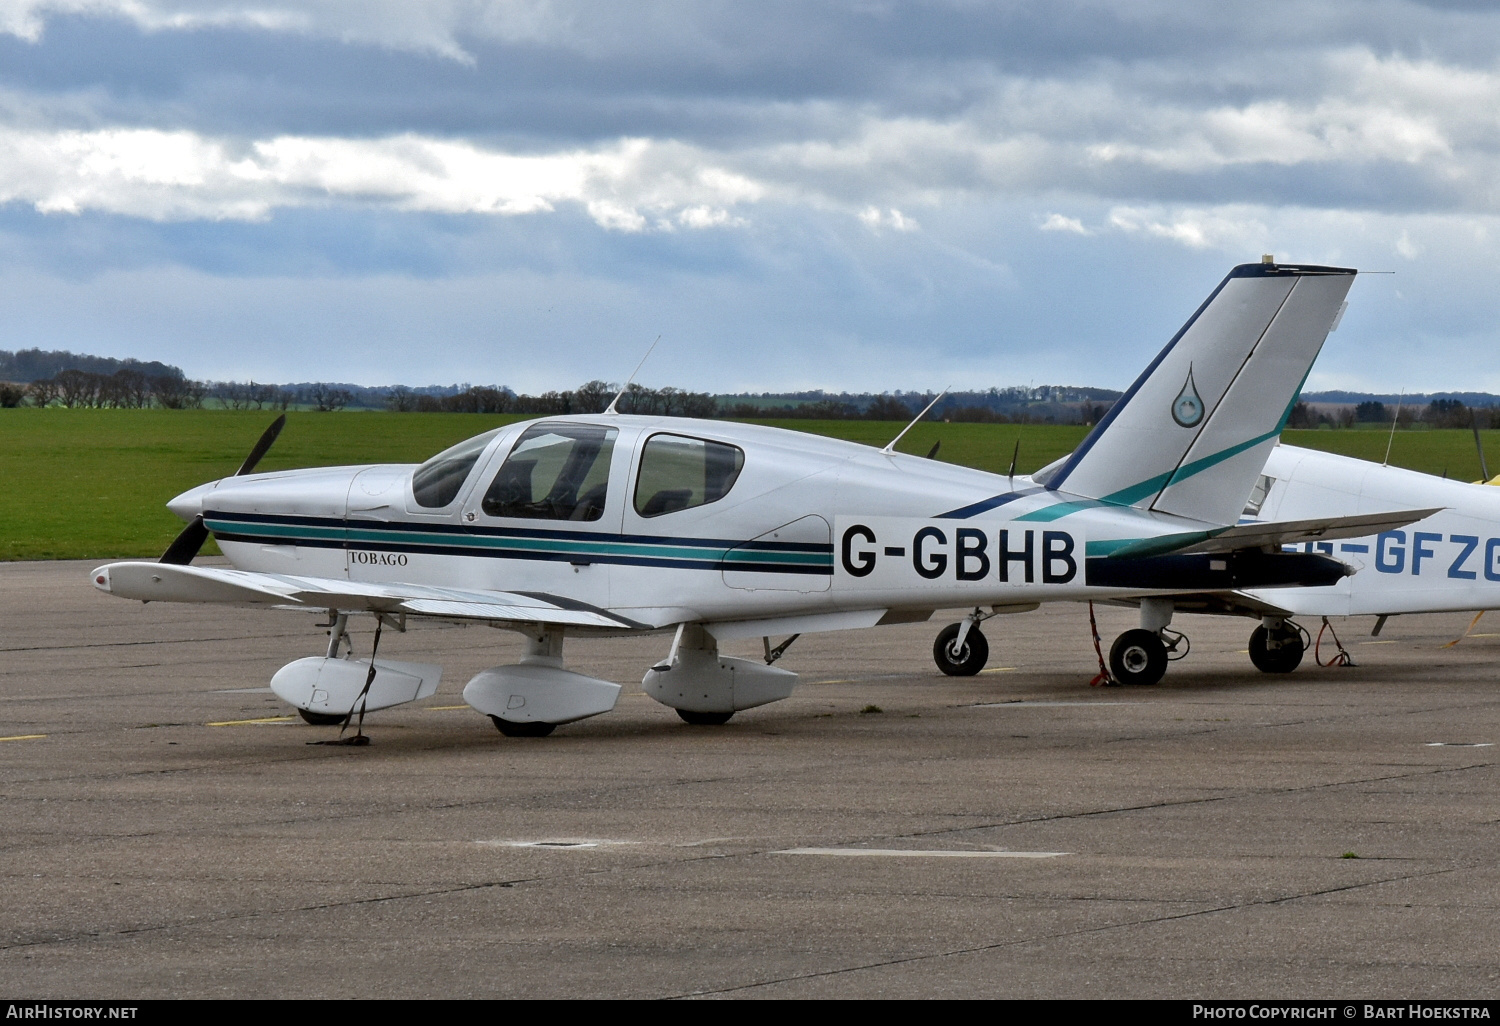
26 365
129 386
1439 413
590 397
131 389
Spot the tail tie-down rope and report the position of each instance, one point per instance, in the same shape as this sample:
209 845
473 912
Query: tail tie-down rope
1472 624
1339 658
1102 678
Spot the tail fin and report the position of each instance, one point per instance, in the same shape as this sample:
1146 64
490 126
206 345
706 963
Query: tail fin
1193 432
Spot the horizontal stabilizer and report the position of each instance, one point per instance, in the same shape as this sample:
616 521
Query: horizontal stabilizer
1273 535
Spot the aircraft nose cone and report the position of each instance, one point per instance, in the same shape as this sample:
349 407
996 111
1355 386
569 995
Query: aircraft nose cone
190 503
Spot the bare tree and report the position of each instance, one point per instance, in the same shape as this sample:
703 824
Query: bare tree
43 393
401 399
174 393
130 389
78 388
593 396
887 407
326 398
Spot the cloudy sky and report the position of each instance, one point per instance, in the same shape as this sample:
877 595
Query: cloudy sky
846 195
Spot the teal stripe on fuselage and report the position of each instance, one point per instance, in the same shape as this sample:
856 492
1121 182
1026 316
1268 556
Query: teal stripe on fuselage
1059 510
675 549
290 532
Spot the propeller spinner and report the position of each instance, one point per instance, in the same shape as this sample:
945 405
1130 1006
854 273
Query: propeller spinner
186 545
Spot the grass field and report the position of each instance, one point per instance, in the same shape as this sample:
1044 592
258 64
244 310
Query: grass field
85 484
90 484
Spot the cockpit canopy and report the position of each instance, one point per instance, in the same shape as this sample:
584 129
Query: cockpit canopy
560 471
436 482
555 472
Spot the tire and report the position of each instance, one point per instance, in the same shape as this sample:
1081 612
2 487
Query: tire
531 728
703 719
1138 657
971 660
1284 658
321 719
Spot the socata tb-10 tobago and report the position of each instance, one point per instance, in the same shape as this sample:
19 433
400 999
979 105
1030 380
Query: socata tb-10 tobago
605 524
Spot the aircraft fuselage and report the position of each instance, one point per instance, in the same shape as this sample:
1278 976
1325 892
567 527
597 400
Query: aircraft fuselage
807 525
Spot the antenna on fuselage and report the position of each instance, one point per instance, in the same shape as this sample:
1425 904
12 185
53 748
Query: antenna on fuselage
631 380
1394 421
1484 468
1014 453
892 447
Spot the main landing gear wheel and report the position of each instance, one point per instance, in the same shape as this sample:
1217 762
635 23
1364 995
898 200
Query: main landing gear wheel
703 719
1276 652
321 719
960 663
531 728
1138 657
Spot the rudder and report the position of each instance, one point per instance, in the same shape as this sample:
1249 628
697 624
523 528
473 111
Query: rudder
1190 435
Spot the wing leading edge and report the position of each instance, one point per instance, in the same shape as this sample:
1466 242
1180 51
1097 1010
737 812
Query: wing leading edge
159 582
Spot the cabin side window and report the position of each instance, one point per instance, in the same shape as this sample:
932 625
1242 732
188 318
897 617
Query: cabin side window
555 472
436 483
680 473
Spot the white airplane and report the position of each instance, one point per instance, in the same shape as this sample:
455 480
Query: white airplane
1447 562
607 525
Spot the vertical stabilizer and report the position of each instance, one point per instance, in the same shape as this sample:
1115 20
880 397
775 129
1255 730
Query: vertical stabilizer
1190 436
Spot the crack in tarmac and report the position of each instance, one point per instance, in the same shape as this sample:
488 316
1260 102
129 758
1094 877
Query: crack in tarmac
769 850
1206 799
1084 931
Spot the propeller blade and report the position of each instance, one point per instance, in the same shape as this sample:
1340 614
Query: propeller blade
262 447
186 545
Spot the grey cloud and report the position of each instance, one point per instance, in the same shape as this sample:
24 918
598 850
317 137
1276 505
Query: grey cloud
1184 137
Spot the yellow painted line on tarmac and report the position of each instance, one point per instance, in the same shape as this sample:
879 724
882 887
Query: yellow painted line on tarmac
1373 643
833 682
246 723
929 853
23 737
444 708
1000 669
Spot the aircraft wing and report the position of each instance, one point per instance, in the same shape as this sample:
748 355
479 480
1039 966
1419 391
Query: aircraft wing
1273 535
165 582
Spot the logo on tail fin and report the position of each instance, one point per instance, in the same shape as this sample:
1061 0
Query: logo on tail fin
1187 408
